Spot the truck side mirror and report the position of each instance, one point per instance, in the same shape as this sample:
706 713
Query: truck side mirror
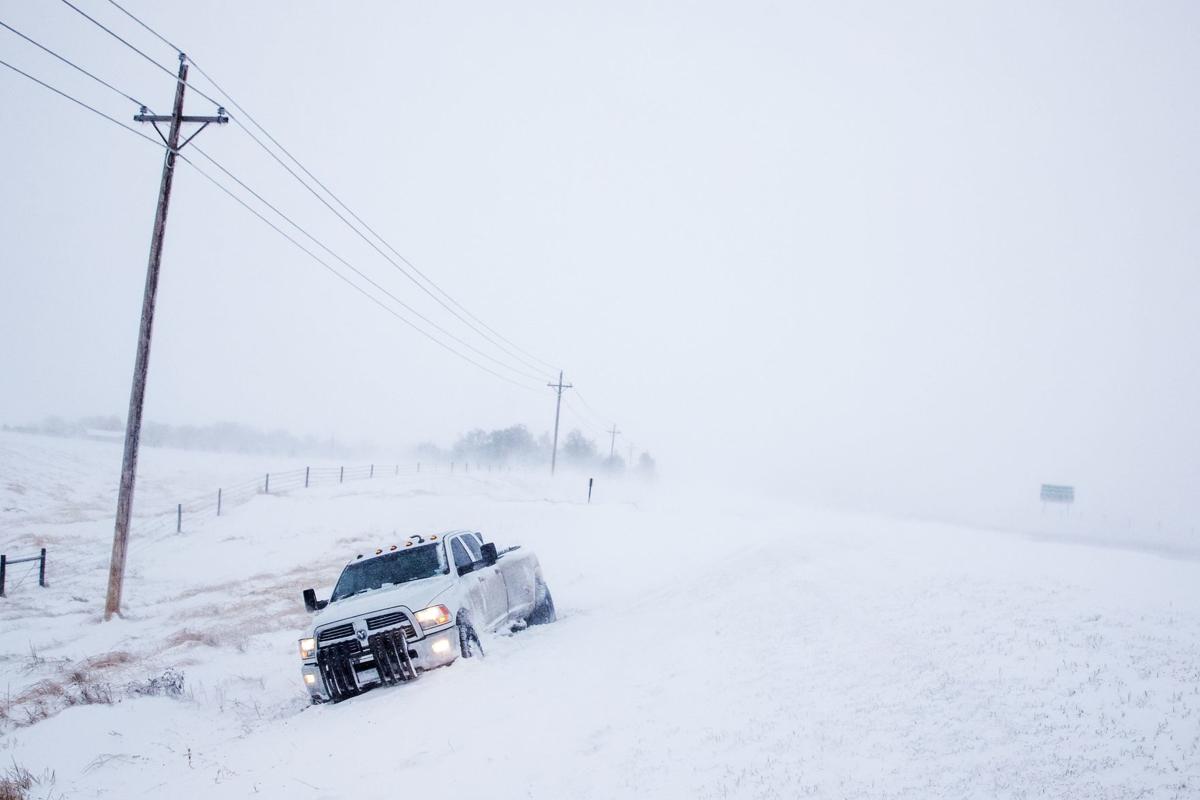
311 603
488 552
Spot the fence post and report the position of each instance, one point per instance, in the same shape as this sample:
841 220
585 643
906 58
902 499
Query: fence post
590 481
267 484
372 475
451 467
306 477
3 569
342 475
179 518
397 469
418 466
466 466
42 570
218 502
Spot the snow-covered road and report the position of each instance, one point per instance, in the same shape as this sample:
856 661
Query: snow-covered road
705 648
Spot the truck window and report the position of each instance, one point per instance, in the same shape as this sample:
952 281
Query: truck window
402 566
461 557
472 547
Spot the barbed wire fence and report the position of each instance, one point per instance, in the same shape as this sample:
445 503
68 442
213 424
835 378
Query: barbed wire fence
223 499
220 501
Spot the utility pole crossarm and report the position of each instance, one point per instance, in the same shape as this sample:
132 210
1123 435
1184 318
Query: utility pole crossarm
220 119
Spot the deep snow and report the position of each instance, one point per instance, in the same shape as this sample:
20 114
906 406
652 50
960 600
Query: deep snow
706 647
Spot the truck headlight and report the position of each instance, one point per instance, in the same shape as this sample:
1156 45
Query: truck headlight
433 616
307 648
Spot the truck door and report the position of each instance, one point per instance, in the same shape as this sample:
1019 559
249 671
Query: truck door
495 594
472 586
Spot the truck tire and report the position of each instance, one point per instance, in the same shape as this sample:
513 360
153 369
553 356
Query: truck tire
543 610
469 645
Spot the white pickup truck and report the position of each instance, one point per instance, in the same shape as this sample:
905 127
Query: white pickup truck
416 605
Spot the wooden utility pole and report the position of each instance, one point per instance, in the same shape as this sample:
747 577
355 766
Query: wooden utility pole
557 410
612 446
133 425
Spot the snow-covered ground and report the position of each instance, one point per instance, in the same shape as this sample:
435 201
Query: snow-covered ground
707 647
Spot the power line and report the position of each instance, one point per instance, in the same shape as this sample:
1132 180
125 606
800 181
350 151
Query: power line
239 200
359 233
316 194
127 96
372 231
140 52
72 64
591 419
360 273
153 32
231 101
115 35
349 282
581 419
288 219
78 102
595 414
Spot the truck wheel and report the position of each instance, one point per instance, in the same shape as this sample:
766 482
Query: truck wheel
543 610
468 640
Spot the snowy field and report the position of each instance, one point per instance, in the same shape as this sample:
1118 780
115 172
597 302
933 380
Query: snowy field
710 647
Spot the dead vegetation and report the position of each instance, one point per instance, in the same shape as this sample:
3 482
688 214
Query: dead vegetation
169 684
16 782
109 660
189 636
83 683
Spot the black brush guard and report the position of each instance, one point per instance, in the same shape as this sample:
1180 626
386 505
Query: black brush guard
336 662
392 662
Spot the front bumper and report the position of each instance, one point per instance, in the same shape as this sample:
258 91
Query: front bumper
345 668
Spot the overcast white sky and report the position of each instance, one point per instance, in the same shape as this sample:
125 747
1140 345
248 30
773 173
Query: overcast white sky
916 248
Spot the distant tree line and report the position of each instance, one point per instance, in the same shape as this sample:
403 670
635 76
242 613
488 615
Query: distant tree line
511 446
517 446
222 437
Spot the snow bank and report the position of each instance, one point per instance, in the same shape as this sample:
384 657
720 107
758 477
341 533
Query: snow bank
705 648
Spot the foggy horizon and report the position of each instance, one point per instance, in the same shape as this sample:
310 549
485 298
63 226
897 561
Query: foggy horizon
877 252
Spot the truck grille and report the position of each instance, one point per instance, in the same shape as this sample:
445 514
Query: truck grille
392 618
336 632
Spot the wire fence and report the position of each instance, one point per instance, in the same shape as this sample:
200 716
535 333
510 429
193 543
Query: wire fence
223 499
37 564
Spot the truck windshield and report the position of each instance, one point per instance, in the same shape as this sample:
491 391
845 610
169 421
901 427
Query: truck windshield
401 566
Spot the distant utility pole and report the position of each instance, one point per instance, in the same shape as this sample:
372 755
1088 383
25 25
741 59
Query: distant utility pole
557 410
612 446
133 426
